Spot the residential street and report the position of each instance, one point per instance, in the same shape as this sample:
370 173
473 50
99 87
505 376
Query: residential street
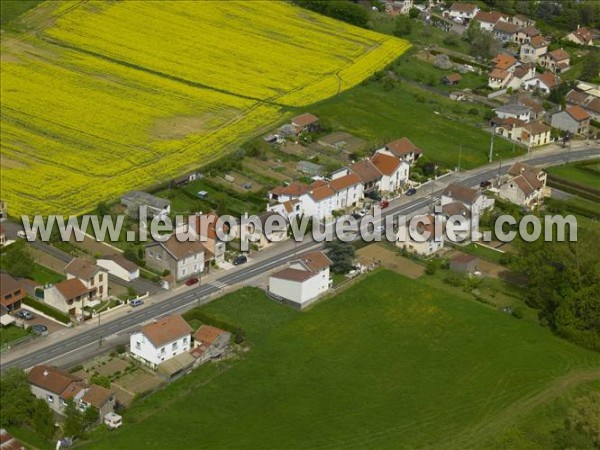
76 344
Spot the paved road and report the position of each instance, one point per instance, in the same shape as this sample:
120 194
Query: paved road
87 343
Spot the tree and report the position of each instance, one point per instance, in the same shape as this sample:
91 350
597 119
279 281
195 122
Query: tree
584 416
18 261
16 401
414 13
73 424
43 419
564 284
591 66
103 209
341 255
403 26
90 417
101 380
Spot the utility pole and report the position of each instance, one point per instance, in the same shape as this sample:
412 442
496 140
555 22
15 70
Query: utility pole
459 156
492 144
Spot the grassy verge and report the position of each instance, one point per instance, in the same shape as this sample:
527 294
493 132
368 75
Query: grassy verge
11 333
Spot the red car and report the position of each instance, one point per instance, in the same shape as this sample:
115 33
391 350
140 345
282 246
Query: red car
384 204
191 281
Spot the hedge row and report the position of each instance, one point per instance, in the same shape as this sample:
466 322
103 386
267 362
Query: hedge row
198 314
47 309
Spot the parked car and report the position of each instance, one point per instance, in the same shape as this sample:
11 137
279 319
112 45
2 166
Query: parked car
25 315
240 259
191 281
374 195
485 184
40 330
411 191
384 204
136 302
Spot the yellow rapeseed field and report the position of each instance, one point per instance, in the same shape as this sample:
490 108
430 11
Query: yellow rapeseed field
110 96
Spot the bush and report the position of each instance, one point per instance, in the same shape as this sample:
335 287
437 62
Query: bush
474 111
519 312
48 310
198 314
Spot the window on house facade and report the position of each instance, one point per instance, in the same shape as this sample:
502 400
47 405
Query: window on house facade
50 398
162 350
174 346
100 278
185 340
138 346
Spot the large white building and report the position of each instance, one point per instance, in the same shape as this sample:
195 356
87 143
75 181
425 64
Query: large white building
161 340
303 281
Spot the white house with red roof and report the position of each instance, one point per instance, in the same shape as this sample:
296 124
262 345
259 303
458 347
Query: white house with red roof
303 281
161 340
581 36
556 61
394 171
524 185
463 11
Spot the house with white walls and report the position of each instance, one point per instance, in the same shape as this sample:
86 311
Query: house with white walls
161 340
303 281
394 171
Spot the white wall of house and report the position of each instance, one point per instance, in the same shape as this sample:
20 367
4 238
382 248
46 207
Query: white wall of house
144 350
301 292
192 265
98 281
349 196
54 298
511 192
115 269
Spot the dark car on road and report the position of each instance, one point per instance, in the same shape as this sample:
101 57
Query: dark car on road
374 195
191 281
411 191
485 184
240 259
40 330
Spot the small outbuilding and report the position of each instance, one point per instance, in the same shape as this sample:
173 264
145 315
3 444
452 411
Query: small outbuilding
464 263
451 80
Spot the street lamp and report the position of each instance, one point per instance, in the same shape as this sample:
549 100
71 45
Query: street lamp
492 142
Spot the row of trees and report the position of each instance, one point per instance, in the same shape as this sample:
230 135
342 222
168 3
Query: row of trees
565 13
564 285
338 9
19 408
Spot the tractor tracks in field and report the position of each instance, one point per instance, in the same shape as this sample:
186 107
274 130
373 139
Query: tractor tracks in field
476 435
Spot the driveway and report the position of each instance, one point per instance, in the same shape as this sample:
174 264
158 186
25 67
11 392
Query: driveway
40 320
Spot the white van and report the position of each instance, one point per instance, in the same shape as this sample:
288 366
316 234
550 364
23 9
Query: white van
136 302
113 420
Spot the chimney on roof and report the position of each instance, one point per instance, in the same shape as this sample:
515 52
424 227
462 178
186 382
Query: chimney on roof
45 373
155 320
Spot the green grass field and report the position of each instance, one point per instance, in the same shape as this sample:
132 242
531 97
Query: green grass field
11 333
435 123
587 173
390 363
11 9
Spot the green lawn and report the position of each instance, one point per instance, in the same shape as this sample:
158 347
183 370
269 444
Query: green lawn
390 363
433 122
585 173
44 275
421 71
536 431
11 333
11 9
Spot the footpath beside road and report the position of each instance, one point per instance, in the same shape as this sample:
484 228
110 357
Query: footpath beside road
94 336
